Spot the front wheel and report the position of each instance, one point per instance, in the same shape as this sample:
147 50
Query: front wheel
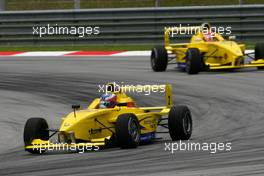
193 61
127 131
180 123
35 128
159 59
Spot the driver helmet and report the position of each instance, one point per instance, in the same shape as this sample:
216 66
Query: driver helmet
108 101
207 31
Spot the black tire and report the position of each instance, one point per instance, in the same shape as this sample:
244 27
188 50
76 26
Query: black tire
111 142
35 128
159 59
127 131
259 52
180 123
193 61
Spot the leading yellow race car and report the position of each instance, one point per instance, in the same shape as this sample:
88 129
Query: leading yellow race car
203 54
125 124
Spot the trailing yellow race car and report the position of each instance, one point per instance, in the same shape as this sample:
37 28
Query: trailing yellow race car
206 51
112 120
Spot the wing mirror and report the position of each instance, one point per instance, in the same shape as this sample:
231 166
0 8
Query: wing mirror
232 38
75 107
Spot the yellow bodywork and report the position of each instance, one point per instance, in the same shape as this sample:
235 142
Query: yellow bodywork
93 125
217 54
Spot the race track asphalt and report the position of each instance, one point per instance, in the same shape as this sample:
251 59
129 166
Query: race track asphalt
226 107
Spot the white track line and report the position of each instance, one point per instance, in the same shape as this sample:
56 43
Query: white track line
64 53
133 53
44 53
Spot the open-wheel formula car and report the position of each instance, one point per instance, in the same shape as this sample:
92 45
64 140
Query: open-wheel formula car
202 54
125 125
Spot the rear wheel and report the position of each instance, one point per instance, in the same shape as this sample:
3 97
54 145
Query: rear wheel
193 61
180 123
159 59
35 128
259 52
127 131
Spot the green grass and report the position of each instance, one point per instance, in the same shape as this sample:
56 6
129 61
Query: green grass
69 4
207 2
77 48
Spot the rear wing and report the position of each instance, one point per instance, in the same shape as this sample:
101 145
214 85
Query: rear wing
188 30
168 94
166 88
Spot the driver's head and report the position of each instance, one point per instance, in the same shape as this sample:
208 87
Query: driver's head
108 101
206 26
207 32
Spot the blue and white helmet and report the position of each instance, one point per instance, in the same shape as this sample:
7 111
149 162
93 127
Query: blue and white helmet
108 101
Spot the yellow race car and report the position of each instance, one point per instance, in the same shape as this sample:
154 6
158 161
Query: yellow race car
203 54
125 124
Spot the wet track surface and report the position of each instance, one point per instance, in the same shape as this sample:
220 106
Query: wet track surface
226 107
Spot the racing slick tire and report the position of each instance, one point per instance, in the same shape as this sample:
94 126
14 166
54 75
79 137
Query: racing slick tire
127 131
259 52
180 123
159 59
193 61
35 128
